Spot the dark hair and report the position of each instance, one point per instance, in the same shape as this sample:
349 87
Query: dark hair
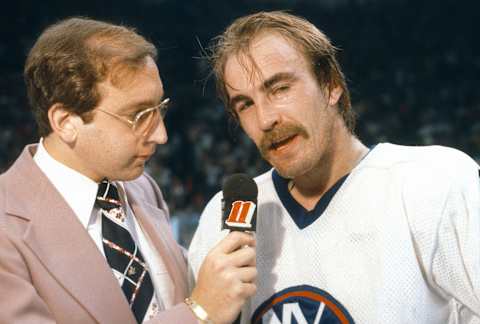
71 57
314 44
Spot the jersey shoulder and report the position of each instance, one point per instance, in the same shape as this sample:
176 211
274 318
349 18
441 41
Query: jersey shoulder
440 161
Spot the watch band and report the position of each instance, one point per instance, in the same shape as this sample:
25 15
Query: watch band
198 311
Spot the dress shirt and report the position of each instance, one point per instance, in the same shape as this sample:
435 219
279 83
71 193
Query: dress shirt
80 193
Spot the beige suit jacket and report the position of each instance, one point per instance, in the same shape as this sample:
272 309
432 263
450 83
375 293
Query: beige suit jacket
51 271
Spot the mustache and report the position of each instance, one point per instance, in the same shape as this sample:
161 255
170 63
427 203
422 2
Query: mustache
280 133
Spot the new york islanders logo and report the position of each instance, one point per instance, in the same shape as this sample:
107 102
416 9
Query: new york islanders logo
301 305
241 214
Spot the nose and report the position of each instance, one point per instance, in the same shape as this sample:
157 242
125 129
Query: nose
267 115
159 134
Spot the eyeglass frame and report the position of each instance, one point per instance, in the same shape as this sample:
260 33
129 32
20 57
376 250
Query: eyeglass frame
162 109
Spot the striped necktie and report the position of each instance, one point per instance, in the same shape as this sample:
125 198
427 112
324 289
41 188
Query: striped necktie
123 254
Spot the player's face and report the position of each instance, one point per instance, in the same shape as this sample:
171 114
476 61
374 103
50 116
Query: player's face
107 147
281 106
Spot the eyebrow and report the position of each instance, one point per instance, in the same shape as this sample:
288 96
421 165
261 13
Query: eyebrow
267 84
278 77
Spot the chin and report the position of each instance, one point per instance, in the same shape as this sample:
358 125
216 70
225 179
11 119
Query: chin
287 172
293 170
130 174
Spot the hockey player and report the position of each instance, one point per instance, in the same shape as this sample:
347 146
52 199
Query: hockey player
345 233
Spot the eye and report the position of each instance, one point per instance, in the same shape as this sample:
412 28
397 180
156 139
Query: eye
132 116
280 89
243 105
136 115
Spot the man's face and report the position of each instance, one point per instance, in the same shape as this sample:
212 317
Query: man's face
281 106
107 147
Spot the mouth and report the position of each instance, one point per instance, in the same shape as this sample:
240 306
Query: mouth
145 156
280 144
281 139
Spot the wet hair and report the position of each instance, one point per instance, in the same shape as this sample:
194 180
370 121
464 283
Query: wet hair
313 43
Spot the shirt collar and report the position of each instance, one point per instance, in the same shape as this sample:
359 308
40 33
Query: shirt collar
78 190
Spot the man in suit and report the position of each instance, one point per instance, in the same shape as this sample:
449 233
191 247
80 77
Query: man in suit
84 233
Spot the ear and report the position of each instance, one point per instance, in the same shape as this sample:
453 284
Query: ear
335 95
65 124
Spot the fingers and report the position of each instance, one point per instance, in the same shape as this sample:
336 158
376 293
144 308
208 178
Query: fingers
247 274
227 277
249 289
243 257
234 240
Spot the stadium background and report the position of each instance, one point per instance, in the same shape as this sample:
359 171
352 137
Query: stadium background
413 68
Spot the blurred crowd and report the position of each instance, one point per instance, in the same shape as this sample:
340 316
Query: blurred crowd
412 68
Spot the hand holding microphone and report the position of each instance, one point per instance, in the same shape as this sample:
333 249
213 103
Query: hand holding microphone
227 276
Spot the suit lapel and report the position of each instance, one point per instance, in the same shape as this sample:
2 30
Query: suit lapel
62 244
158 230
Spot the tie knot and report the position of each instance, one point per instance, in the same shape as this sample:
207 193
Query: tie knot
107 196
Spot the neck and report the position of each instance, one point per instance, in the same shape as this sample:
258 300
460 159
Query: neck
344 154
63 153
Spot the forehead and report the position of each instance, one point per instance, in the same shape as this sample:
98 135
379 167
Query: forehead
125 76
268 54
142 85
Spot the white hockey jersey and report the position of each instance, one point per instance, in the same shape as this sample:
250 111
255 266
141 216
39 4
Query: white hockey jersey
395 241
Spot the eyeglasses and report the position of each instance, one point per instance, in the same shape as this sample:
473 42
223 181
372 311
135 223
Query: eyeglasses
145 120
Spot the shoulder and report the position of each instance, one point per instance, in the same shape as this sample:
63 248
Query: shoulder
16 185
390 155
431 180
143 183
425 178
264 181
419 162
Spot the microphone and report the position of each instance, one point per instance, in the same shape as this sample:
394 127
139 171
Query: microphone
239 204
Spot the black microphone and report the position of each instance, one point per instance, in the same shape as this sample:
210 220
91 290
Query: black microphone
239 204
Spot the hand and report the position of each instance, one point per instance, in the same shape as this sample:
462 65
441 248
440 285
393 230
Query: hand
227 277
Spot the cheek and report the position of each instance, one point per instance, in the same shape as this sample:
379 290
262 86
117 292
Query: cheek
323 127
108 146
123 149
248 124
